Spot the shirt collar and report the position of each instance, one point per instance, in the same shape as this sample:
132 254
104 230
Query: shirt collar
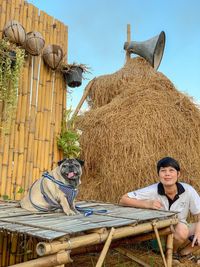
161 190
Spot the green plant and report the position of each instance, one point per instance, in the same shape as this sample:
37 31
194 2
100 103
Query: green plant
68 141
11 62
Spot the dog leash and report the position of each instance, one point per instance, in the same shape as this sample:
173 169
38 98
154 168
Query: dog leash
88 212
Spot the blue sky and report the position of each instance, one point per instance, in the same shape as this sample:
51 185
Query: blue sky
97 32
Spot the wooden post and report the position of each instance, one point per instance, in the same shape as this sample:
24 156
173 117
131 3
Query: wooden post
105 248
85 94
128 56
169 250
159 243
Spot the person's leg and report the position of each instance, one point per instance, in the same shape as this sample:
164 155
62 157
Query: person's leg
189 249
181 233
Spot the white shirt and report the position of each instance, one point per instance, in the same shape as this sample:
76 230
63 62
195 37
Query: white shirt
186 200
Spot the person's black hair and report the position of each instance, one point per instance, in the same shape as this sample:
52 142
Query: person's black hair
168 162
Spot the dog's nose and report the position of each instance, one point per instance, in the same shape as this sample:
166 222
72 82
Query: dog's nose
71 168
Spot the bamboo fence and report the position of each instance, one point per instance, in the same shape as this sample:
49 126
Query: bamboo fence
30 147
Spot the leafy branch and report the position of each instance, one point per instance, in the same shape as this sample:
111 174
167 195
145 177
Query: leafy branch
68 141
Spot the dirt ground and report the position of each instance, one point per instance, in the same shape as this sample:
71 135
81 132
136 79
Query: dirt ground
115 259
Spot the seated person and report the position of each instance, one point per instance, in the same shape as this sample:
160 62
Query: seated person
169 194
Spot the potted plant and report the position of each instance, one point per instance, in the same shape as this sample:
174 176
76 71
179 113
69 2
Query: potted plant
73 73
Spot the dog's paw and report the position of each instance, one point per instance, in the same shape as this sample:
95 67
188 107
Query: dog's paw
70 212
77 212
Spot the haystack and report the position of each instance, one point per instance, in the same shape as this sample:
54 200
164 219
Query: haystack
137 116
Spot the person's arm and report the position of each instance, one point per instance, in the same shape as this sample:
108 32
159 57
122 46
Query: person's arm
140 203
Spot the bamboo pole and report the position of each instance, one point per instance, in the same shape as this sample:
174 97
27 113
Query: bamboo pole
8 191
169 250
130 255
159 243
4 165
5 143
59 88
40 96
18 161
61 257
96 238
47 105
60 93
128 56
20 129
3 15
85 94
105 248
24 114
1 247
13 249
125 241
5 243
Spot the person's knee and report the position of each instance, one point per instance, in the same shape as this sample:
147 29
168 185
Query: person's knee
181 232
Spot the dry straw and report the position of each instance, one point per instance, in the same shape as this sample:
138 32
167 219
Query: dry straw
137 116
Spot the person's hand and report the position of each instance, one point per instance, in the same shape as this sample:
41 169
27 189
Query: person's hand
155 204
196 239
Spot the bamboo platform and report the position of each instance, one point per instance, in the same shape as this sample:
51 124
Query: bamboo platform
57 234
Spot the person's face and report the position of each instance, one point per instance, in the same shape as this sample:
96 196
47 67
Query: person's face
168 176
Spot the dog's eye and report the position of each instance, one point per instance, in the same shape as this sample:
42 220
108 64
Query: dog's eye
66 164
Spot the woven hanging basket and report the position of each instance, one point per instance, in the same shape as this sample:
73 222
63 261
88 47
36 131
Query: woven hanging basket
15 32
52 55
34 43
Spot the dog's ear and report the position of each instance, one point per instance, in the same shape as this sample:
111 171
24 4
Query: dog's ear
80 161
61 161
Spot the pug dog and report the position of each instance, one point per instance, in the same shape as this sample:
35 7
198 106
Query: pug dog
56 189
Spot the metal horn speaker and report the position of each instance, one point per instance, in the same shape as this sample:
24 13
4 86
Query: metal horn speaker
152 49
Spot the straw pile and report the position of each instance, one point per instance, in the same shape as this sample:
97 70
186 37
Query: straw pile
137 116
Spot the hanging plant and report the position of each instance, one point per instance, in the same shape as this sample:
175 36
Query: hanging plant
68 141
73 73
11 61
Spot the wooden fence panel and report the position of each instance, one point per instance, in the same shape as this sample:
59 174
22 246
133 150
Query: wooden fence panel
30 147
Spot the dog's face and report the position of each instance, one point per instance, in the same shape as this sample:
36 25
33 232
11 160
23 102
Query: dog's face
71 171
